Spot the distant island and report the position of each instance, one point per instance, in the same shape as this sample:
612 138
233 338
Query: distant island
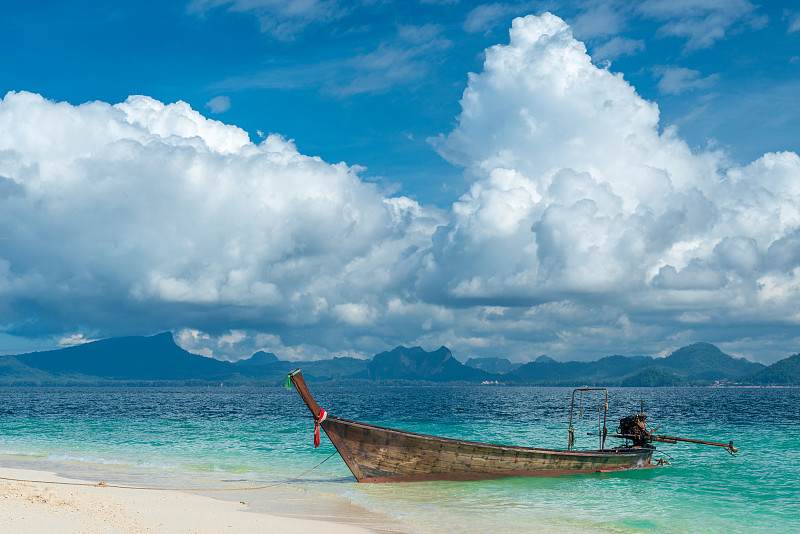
158 360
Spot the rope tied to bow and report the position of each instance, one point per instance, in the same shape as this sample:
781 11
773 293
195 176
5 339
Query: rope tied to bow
322 416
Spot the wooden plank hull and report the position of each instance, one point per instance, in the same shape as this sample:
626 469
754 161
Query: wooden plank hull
378 454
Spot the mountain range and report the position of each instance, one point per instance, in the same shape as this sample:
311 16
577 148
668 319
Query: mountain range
158 360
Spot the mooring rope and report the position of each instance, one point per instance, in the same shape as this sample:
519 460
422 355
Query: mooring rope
104 485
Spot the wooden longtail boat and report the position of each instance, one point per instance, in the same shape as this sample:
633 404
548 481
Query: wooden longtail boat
378 454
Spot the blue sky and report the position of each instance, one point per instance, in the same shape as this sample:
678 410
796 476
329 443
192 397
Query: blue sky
381 87
368 83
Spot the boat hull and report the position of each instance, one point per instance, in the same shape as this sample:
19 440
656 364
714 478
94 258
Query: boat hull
379 454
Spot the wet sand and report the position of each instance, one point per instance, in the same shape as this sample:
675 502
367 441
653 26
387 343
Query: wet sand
49 507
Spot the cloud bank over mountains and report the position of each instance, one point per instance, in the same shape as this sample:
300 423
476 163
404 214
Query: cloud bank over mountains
589 228
144 215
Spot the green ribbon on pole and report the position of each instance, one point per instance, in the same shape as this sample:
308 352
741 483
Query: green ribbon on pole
289 378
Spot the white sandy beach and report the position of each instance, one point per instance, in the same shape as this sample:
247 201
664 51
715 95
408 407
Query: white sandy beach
54 508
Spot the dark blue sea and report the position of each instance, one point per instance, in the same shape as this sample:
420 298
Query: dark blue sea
212 437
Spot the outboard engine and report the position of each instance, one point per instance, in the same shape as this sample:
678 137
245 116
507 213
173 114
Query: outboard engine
633 428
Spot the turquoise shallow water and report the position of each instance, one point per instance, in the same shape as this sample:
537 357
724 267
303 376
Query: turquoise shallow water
203 437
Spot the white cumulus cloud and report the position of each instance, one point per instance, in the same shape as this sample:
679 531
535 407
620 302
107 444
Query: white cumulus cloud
580 195
144 215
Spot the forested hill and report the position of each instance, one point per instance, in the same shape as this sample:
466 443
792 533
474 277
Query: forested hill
158 360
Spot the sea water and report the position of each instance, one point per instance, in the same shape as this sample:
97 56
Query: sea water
243 437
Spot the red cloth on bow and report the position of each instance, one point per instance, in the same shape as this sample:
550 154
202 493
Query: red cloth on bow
322 416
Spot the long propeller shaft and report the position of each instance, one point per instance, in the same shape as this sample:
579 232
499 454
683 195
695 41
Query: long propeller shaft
674 439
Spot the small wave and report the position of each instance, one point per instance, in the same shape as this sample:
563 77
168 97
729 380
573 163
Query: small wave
81 459
11 452
92 460
155 465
